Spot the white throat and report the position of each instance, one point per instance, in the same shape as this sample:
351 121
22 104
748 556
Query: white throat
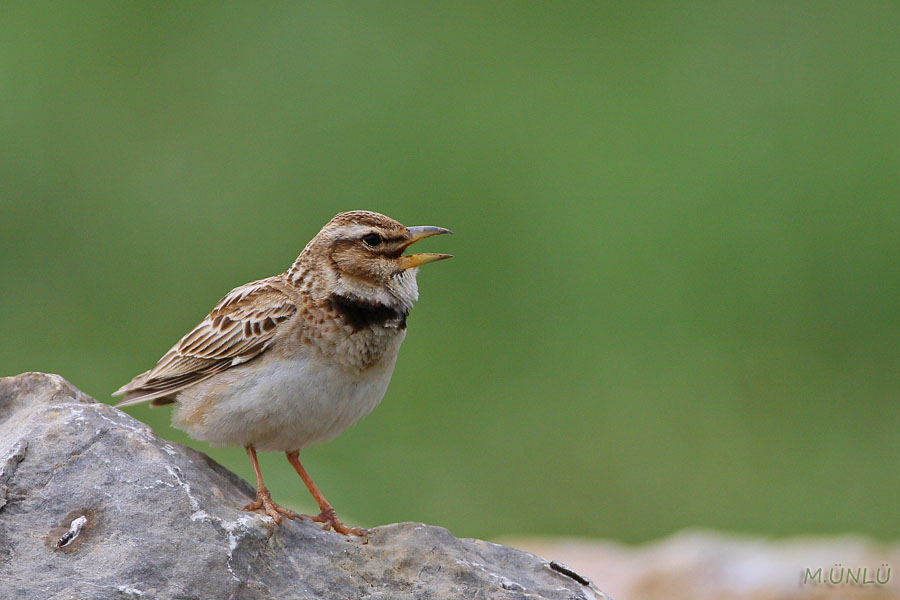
401 292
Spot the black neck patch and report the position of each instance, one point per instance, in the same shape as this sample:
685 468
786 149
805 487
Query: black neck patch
362 313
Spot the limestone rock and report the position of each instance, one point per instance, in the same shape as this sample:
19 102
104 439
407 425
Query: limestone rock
94 505
706 565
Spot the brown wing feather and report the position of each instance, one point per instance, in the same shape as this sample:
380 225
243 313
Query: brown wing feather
238 329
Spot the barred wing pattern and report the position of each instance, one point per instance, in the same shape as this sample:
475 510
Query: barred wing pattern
239 328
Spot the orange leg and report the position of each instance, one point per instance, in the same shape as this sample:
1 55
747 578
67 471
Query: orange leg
327 515
263 498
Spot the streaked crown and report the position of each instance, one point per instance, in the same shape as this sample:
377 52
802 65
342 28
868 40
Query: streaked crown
359 255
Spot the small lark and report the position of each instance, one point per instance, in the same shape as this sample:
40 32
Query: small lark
289 361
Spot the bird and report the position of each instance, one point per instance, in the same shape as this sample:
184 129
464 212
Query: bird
289 361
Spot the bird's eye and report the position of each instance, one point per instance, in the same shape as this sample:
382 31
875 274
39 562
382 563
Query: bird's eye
372 239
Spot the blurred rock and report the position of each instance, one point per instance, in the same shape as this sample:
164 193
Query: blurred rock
94 505
710 566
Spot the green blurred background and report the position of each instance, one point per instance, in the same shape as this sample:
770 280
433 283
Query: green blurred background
674 300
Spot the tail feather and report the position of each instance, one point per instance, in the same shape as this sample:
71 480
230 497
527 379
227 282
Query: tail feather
135 393
160 391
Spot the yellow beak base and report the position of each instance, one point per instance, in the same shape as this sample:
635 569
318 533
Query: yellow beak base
417 260
421 232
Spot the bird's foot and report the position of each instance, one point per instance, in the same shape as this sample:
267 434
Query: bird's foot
264 502
329 518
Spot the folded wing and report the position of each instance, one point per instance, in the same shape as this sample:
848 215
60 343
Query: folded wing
240 328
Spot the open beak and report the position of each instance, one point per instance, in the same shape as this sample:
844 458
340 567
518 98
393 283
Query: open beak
420 233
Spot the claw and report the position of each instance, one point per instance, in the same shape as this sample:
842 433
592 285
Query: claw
264 501
329 518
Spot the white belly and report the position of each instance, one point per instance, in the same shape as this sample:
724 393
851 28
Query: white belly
282 404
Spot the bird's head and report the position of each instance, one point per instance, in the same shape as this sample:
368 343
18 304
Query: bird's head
360 255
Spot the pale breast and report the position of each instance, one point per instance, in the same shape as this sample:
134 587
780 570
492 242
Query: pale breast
290 400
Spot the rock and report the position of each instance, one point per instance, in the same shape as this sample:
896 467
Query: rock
704 565
93 504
